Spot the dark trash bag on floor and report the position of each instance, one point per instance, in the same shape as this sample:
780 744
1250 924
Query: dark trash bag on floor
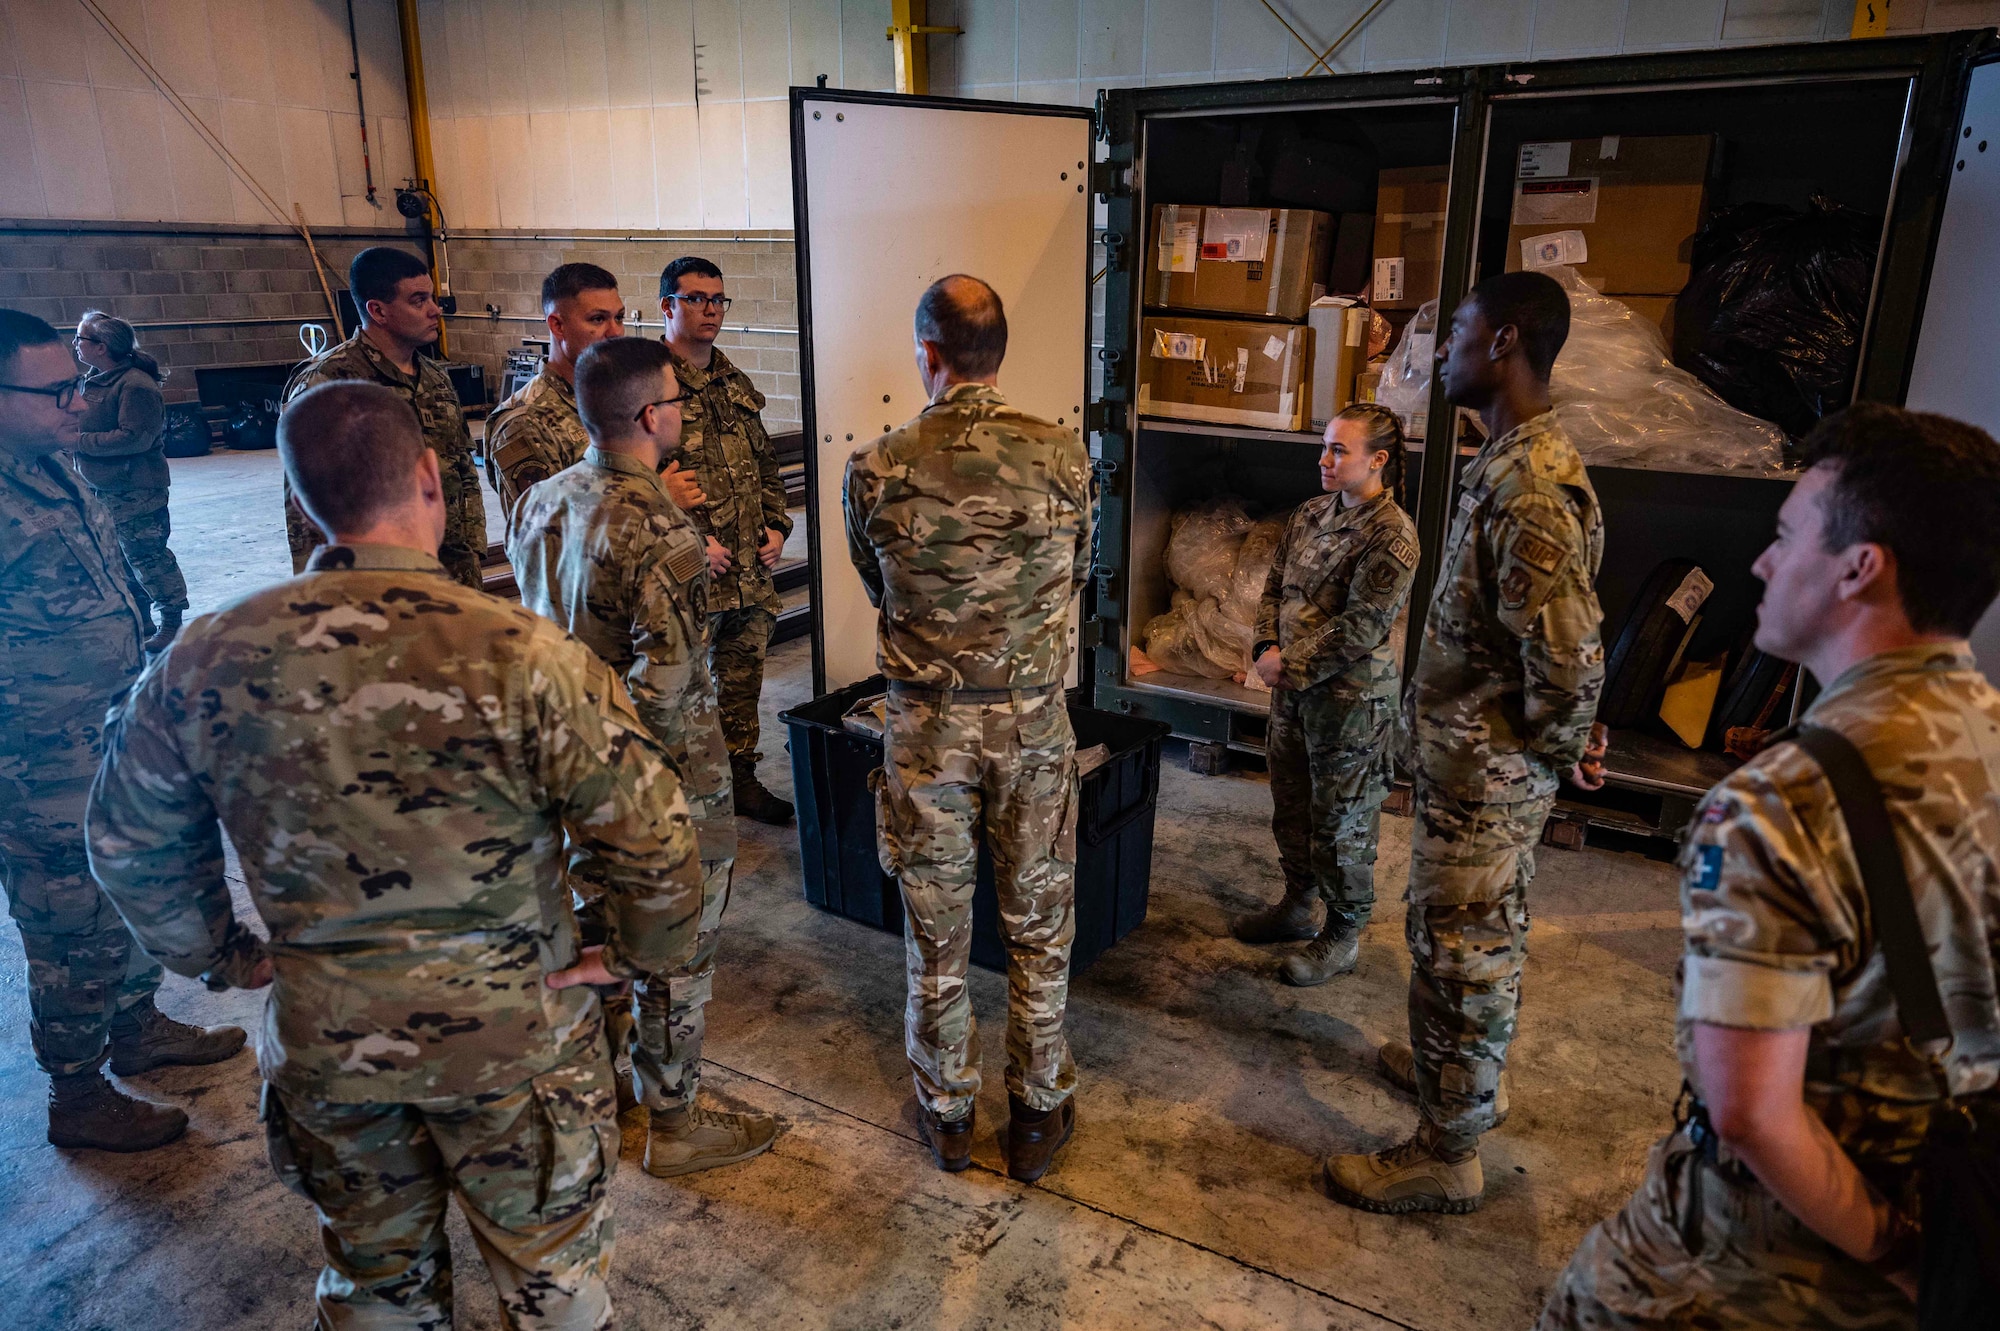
186 433
252 425
1771 316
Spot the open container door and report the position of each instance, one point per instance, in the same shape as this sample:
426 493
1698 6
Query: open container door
1957 367
889 194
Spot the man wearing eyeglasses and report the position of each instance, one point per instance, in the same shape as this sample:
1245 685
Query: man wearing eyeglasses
70 630
742 518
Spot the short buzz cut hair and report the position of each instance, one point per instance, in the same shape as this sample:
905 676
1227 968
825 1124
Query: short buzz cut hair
349 449
573 279
1927 489
671 275
964 318
615 379
20 330
378 270
1538 308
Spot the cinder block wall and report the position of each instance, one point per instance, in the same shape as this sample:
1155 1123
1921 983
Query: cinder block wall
237 295
760 333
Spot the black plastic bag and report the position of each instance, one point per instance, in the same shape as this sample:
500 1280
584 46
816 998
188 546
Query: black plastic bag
252 425
186 433
1771 316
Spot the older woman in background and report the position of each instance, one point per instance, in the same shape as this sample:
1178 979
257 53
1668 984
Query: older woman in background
121 456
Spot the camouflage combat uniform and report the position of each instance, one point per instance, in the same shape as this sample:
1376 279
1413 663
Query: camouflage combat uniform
724 444
970 527
1340 576
397 759
122 456
1500 709
69 648
602 551
531 436
435 401
1780 936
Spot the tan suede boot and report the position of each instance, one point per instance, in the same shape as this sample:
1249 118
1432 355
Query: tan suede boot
1336 951
1419 1175
694 1139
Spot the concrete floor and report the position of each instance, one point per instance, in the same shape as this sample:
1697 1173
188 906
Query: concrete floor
1189 1197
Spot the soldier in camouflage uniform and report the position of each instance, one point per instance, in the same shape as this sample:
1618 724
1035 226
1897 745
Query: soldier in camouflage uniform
400 759
1787 1199
741 515
1340 577
601 550
69 648
970 527
121 455
399 315
1502 703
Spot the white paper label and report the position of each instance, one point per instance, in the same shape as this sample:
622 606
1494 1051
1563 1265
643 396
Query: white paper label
1687 597
1554 248
1178 346
1542 160
1179 247
1388 284
1607 148
1242 368
1569 201
1235 235
1274 347
1354 327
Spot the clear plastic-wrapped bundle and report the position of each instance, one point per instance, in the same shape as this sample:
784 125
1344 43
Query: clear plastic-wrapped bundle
1202 545
1217 559
1624 403
1406 378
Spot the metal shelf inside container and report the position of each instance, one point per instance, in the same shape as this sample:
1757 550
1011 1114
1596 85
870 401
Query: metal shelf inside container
1200 688
1313 437
1647 762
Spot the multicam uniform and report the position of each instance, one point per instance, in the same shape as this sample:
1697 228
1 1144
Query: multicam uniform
1505 690
724 444
1780 936
122 458
1340 576
970 527
431 396
533 435
69 649
398 758
602 551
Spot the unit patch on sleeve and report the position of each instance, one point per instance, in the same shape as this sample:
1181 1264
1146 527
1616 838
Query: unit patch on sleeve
1404 551
1543 553
1708 869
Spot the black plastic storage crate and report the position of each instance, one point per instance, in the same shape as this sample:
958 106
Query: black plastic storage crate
1114 827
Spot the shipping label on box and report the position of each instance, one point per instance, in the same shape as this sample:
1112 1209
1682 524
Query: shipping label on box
1409 236
1266 262
1634 203
1225 371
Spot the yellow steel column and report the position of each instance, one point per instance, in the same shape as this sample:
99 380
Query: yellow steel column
909 30
420 124
1871 18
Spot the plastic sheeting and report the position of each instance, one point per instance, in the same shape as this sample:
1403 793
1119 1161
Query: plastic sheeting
1624 403
1406 378
1218 560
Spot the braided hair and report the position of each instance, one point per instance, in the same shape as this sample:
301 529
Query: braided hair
1385 430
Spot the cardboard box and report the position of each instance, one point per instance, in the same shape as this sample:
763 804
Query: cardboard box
1621 210
1340 348
1409 236
1224 371
1266 262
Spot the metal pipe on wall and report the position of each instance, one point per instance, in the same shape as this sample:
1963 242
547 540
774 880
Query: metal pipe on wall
420 139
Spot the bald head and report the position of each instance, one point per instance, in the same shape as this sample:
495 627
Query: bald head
962 317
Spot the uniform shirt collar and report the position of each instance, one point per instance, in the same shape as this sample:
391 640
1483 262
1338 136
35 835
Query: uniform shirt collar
1346 515
969 393
360 555
1879 669
560 386
47 474
1514 441
719 367
610 461
380 362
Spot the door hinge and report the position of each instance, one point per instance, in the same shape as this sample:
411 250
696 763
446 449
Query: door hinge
1099 417
1091 633
1111 179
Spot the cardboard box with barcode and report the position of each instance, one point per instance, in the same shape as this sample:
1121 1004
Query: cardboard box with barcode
1266 262
1224 371
1621 210
1409 236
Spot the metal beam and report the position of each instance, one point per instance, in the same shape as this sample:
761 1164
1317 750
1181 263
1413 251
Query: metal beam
910 30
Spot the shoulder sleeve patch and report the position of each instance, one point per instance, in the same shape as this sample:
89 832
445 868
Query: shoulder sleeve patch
685 557
1538 550
1708 868
1405 551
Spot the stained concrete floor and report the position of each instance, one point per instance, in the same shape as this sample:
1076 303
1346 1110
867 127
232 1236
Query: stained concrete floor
1189 1197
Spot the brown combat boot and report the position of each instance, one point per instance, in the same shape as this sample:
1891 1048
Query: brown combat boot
1290 921
146 1038
950 1140
752 800
86 1111
164 635
1398 1065
687 1141
1419 1175
1336 951
1034 1136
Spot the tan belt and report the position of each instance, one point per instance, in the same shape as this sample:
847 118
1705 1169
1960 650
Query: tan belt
927 693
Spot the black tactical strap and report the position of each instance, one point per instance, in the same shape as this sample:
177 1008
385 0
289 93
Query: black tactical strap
1880 860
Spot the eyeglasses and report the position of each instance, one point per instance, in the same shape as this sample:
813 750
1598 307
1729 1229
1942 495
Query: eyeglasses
85 337
682 396
63 393
717 304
